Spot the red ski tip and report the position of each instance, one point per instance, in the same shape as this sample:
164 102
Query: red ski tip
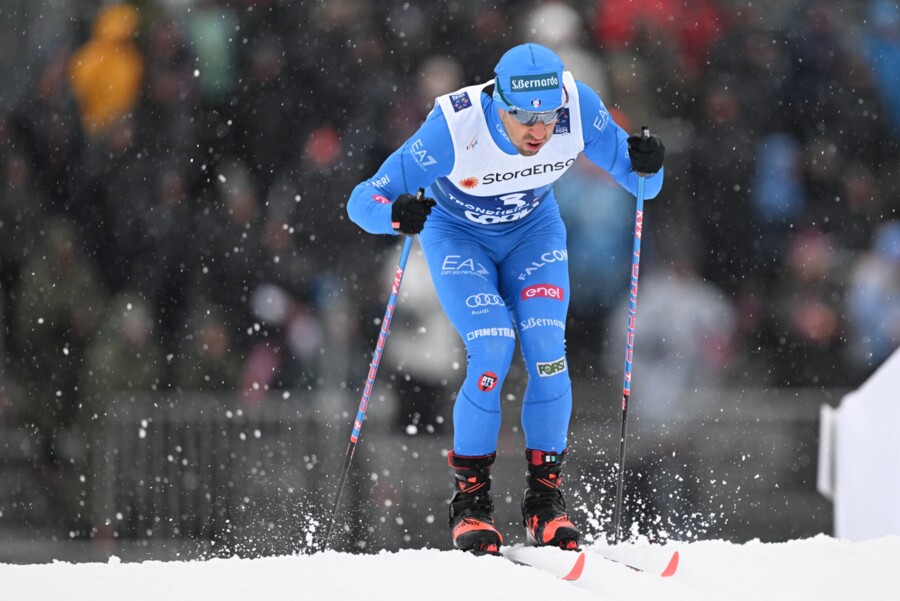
577 569
672 567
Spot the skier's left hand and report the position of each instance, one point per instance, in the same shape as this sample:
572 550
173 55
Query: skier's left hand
646 154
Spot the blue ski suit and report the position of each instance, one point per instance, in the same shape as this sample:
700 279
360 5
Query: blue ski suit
496 247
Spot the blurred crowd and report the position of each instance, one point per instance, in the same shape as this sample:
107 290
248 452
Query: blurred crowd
175 172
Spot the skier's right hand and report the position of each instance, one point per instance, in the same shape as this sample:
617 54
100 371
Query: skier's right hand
408 213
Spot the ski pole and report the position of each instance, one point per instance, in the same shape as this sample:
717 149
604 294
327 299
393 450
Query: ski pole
629 342
370 379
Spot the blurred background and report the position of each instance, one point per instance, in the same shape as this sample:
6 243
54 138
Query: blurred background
188 314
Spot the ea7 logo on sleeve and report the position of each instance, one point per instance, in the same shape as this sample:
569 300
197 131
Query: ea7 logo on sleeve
543 290
601 120
421 156
551 368
487 382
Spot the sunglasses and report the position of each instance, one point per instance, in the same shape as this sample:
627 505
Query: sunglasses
529 118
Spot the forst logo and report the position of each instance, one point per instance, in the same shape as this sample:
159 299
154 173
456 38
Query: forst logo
551 368
543 291
534 83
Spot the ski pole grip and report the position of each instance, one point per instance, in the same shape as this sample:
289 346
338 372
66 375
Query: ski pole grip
645 132
420 196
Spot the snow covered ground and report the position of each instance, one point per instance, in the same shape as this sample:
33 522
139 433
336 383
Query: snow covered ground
816 569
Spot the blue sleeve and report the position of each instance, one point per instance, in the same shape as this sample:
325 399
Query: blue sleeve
423 158
606 144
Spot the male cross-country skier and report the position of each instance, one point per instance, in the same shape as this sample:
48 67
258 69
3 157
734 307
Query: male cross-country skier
491 232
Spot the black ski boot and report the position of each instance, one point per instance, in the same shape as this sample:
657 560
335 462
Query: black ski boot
543 507
471 509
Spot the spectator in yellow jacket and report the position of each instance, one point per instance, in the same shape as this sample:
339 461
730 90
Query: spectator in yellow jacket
106 72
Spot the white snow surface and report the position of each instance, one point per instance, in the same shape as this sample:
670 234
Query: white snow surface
814 569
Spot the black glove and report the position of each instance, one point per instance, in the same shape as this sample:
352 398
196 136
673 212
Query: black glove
408 213
646 154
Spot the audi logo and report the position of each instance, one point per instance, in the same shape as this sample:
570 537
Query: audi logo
484 300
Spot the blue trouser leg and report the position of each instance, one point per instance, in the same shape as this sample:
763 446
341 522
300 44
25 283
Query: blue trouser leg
535 277
465 279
